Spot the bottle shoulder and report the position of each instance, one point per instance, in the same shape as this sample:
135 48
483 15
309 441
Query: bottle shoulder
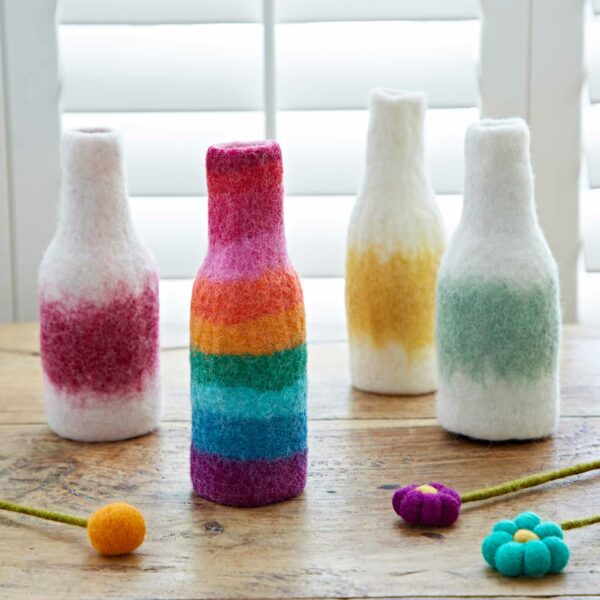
396 225
526 256
87 271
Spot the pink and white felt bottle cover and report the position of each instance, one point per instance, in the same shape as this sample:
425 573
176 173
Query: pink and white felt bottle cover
98 289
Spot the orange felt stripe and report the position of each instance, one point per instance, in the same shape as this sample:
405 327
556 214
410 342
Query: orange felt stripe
264 335
230 302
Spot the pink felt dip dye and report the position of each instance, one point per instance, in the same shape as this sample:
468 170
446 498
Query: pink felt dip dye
245 210
109 348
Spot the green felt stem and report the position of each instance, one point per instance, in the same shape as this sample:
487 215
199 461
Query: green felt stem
576 523
527 482
50 515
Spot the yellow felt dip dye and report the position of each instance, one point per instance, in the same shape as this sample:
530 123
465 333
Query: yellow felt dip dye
392 299
427 489
524 535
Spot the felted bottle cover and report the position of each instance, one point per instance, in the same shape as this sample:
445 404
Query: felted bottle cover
98 289
498 316
248 348
395 243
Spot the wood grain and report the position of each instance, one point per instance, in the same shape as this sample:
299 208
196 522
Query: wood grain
339 539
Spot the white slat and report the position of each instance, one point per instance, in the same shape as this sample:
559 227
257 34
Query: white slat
592 46
165 152
591 139
162 68
343 61
245 11
324 150
175 229
161 11
590 228
363 10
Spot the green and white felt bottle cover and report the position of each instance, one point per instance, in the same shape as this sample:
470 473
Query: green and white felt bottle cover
498 315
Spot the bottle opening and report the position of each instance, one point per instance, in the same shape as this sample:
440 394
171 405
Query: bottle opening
94 130
510 123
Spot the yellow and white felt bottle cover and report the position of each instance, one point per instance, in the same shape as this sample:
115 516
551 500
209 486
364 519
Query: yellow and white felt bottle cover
395 243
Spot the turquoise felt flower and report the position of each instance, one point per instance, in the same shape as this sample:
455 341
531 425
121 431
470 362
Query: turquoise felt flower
526 546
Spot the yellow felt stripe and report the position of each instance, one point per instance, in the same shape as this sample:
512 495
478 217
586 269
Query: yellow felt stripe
392 299
265 335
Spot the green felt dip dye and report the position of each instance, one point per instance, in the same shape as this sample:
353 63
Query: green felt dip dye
267 372
493 326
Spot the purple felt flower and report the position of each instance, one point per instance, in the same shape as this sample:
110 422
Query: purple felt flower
431 504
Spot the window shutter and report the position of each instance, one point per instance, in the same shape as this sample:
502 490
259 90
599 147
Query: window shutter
176 77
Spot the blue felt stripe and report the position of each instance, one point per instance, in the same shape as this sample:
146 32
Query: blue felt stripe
243 402
248 439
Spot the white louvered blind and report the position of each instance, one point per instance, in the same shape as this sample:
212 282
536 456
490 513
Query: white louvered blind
177 76
590 198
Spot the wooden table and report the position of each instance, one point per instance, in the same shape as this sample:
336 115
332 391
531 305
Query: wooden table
339 539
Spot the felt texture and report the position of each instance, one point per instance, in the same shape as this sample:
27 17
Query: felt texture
98 289
419 505
247 338
248 438
263 372
497 314
117 528
259 336
526 546
395 243
247 482
241 401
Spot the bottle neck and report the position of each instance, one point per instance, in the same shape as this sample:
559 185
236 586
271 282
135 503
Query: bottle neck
498 194
94 204
395 148
245 194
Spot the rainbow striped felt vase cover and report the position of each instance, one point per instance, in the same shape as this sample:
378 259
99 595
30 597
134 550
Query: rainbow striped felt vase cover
248 350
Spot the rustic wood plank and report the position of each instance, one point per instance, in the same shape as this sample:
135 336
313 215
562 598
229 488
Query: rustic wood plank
331 395
339 539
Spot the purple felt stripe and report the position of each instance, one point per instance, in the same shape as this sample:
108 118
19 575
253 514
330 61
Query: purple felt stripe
247 482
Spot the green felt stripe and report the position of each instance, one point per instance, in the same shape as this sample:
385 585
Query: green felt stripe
497 326
268 372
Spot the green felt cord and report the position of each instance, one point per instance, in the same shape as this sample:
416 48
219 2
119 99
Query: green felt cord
527 482
576 523
43 514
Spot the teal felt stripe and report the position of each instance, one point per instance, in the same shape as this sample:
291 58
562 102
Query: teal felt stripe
266 372
485 326
243 402
248 439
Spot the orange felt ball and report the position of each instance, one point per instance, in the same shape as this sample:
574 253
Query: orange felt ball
116 528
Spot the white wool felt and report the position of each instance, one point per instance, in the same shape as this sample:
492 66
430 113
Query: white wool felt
395 240
387 370
498 312
100 419
94 223
396 207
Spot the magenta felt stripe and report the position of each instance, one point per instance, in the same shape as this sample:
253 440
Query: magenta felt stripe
106 348
245 259
247 482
